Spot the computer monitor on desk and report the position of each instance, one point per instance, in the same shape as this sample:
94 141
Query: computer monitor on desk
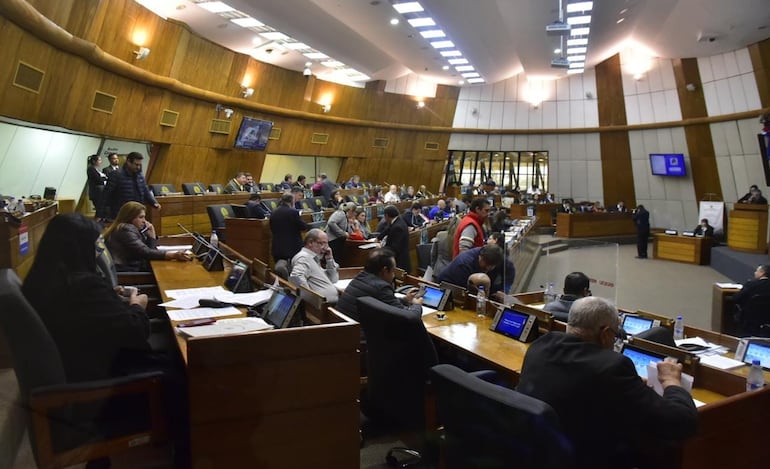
280 309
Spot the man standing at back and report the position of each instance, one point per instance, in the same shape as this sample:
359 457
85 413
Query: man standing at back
127 184
470 231
327 188
113 166
397 235
286 227
608 412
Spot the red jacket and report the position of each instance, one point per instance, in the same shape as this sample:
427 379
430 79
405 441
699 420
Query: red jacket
471 218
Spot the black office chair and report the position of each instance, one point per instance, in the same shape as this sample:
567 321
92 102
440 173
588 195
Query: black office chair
71 423
490 426
272 204
216 188
267 186
658 334
754 317
193 188
217 214
423 257
161 190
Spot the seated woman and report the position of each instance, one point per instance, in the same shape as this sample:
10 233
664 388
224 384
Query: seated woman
132 241
358 228
336 200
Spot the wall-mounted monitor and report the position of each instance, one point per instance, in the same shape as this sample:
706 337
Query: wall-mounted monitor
764 154
253 134
668 164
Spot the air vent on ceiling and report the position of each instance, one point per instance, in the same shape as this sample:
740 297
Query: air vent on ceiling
103 102
381 142
433 146
220 126
28 77
168 118
320 139
275 134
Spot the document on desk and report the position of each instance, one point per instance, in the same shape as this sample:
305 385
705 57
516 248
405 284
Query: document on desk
202 292
654 382
227 327
721 362
178 247
729 285
201 313
245 299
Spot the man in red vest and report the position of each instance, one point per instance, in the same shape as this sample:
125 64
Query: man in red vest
470 233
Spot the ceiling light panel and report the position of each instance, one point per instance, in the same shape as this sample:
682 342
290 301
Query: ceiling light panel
216 7
247 22
475 80
577 42
579 7
408 7
332 64
576 58
579 31
432 34
296 45
442 44
577 65
316 55
470 75
577 50
421 22
573 20
464 68
457 61
574 71
451 53
275 36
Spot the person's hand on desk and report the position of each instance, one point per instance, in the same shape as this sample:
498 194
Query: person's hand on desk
669 372
183 256
412 298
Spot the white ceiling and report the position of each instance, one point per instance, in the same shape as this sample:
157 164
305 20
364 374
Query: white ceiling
500 38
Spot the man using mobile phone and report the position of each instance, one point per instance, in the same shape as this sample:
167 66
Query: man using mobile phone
307 269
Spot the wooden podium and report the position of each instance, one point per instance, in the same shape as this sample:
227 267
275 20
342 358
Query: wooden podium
747 228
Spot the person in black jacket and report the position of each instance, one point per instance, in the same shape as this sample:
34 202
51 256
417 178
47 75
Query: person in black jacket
397 239
286 227
704 229
96 181
605 409
642 220
256 208
125 185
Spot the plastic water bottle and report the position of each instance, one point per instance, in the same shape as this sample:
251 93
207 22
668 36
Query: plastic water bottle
550 293
679 328
214 239
481 302
756 379
20 206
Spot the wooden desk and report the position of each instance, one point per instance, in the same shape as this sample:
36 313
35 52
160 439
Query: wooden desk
256 398
689 249
747 228
543 212
189 210
722 310
589 225
35 224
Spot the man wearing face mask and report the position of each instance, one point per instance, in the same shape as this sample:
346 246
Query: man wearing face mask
590 387
704 229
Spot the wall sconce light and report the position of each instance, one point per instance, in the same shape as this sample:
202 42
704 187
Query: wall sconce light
326 108
246 91
228 112
420 104
142 53
307 72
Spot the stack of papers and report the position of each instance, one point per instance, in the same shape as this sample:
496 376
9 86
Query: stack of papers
226 327
188 298
729 285
710 348
201 313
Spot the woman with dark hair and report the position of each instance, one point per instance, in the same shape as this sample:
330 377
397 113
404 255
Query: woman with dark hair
336 200
642 221
132 241
96 181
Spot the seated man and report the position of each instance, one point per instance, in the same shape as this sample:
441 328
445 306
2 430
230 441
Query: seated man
704 229
414 218
250 185
256 208
760 285
236 184
376 280
620 207
576 286
286 184
488 260
440 211
753 196
306 268
590 387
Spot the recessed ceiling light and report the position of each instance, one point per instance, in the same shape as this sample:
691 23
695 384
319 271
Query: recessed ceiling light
577 50
620 20
420 22
458 61
333 64
475 80
307 64
394 21
460 82
573 71
579 31
577 42
408 7
296 45
579 6
247 22
464 68
577 65
275 36
585 19
316 55
451 53
557 51
442 44
470 75
576 58
445 67
432 34
216 7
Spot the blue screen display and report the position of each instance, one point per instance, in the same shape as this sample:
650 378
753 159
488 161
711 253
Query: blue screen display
634 324
278 308
432 297
641 360
668 164
759 352
511 323
253 134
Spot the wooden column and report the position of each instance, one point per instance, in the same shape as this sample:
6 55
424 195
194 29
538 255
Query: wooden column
760 60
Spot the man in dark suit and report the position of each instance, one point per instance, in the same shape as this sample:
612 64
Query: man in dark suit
256 208
414 218
286 227
113 166
487 260
127 184
397 235
704 229
759 285
605 408
236 184
327 188
642 221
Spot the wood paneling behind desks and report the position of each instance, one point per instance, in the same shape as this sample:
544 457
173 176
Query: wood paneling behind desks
35 224
189 210
588 225
543 212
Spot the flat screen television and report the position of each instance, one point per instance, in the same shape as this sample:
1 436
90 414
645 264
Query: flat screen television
764 154
668 164
253 134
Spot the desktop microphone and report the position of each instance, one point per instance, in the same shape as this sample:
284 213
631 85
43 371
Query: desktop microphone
198 237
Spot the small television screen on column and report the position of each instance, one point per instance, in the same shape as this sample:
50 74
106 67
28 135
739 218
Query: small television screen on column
253 134
668 164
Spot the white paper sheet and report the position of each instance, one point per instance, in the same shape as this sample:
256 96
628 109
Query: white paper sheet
245 299
202 292
341 285
226 327
201 313
729 285
721 362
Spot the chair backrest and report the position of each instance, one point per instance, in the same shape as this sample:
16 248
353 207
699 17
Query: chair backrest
34 354
240 211
162 189
272 204
315 204
423 256
193 188
491 426
399 355
267 186
755 317
216 188
218 213
658 334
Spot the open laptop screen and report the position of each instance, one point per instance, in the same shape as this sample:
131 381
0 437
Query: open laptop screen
641 358
758 351
280 309
635 324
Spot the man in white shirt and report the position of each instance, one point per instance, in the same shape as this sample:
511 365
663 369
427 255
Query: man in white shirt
392 196
306 268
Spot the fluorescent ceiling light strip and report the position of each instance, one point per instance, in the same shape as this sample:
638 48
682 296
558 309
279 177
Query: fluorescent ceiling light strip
420 22
408 7
275 36
470 75
216 7
465 68
247 22
574 71
577 42
432 34
576 58
579 31
442 44
332 64
475 80
316 55
458 61
451 53
577 65
296 45
579 6
586 19
577 50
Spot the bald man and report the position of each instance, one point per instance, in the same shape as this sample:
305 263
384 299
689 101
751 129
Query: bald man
306 268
